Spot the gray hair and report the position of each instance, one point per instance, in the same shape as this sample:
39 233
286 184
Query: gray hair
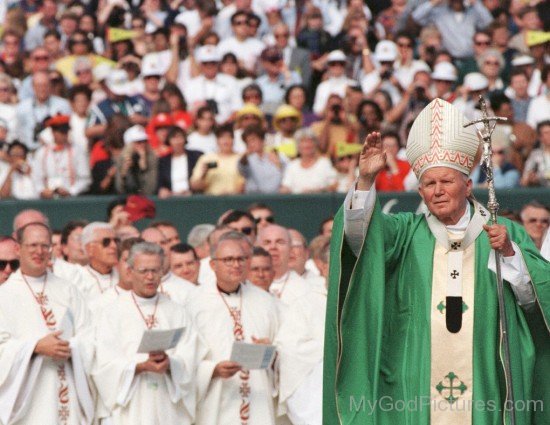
494 53
232 235
199 234
89 229
147 248
306 133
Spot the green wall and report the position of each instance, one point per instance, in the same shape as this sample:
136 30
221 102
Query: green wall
304 212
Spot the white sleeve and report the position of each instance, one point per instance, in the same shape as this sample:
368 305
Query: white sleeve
358 207
514 270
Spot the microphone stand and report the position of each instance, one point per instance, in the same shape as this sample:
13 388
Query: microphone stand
489 124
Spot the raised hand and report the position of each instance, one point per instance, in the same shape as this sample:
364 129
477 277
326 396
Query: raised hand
371 161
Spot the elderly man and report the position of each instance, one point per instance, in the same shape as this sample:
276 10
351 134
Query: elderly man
41 320
420 291
287 284
150 388
229 311
198 239
9 257
535 217
184 262
101 245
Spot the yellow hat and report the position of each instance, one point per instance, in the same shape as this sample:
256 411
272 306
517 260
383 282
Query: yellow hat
345 149
250 109
286 111
438 139
534 38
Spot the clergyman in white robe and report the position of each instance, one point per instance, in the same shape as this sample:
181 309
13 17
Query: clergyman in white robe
30 384
147 398
220 398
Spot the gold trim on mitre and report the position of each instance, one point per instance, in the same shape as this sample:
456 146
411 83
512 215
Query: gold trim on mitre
438 139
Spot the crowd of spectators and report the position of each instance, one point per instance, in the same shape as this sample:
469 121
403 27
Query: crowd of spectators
220 97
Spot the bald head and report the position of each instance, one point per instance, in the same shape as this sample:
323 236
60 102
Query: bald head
276 239
28 216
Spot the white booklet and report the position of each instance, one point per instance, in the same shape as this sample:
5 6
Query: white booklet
252 356
159 340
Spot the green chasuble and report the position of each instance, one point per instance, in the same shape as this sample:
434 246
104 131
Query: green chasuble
377 341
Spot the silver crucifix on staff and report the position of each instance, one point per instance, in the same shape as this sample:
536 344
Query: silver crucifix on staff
489 124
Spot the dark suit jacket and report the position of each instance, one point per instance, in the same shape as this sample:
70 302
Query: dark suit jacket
165 168
301 63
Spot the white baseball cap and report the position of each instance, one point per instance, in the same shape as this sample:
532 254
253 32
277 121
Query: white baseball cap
523 60
135 133
476 81
150 67
336 56
117 82
101 71
385 51
444 71
207 54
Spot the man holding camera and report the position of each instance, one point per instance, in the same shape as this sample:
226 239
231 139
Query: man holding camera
336 82
60 169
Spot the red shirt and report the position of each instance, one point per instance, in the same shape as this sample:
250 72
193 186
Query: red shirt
386 182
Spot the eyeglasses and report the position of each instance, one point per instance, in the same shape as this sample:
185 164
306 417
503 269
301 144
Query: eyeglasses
78 41
14 264
37 246
285 35
145 272
482 43
539 220
404 45
246 230
269 219
495 63
237 23
105 242
293 119
41 58
229 261
252 96
337 63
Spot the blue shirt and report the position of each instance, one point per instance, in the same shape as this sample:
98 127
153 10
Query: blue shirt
273 92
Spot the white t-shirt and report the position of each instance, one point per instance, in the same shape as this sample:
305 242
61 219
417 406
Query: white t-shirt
299 179
248 51
204 144
180 174
22 185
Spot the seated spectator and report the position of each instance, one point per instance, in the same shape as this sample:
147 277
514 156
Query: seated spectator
310 173
175 169
60 169
346 168
252 93
178 107
506 176
295 58
335 83
313 37
391 179
286 122
15 174
379 71
157 131
80 97
262 170
248 115
491 64
217 173
537 166
297 96
137 165
519 94
203 139
275 80
536 220
336 126
104 155
539 108
229 65
370 117
444 77
8 106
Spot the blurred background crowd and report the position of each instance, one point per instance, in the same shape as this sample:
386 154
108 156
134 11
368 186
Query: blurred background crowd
176 97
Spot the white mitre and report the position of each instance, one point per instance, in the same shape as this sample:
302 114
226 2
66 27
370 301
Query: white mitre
438 139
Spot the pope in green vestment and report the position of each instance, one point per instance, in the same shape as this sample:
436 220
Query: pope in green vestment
377 342
377 361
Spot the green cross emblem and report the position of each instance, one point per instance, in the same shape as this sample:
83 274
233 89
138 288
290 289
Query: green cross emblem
450 387
441 307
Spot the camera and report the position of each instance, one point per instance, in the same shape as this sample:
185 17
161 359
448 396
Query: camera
38 127
212 105
336 111
386 74
210 165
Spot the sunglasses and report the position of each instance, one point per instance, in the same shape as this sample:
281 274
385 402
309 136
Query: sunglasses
61 128
14 264
246 230
482 43
105 242
404 45
269 219
336 64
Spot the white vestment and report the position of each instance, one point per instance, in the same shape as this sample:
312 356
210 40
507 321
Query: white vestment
30 385
92 283
177 289
220 398
300 343
206 274
67 271
147 398
104 299
289 287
